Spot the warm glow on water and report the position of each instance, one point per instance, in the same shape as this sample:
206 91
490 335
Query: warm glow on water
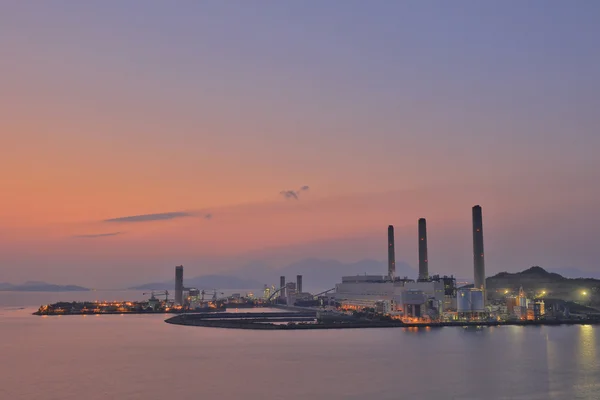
140 356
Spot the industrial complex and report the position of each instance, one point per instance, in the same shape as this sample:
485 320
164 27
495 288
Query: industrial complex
430 298
356 301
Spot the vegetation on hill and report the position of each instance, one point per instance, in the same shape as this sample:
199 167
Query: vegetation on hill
539 283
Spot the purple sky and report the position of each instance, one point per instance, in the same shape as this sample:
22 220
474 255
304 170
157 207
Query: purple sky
387 111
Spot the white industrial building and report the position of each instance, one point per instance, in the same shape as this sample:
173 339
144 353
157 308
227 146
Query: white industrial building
368 291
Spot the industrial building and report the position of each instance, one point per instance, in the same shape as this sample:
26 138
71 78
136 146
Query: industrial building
289 293
520 307
366 291
429 295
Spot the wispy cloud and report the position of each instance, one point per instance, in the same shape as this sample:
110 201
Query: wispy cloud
97 235
151 217
160 217
293 194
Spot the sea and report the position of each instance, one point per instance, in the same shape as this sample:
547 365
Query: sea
142 357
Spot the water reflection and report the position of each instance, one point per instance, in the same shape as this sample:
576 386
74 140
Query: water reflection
125 355
587 363
418 329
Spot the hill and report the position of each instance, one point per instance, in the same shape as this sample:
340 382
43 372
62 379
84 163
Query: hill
320 274
34 286
204 282
538 282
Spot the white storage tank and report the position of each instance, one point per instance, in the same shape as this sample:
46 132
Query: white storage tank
463 301
470 300
477 303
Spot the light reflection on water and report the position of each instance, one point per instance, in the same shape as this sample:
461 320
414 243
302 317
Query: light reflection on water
139 356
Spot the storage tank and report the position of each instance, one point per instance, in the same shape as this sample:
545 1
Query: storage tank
477 303
470 301
463 301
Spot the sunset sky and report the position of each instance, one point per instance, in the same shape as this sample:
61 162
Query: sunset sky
197 115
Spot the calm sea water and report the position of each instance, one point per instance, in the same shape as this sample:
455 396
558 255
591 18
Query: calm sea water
141 357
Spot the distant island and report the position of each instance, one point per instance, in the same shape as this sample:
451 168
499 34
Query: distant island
34 286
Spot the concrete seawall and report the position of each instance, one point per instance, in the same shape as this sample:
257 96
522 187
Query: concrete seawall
298 321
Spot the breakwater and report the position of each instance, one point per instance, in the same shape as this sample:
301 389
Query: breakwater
255 320
307 320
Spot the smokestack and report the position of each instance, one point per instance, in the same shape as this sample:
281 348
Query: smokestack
423 263
282 285
391 253
179 285
478 258
299 283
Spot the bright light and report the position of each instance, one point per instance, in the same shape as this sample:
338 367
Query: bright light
543 292
584 293
506 292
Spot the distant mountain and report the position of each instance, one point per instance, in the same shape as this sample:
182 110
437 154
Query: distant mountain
537 280
321 274
537 275
318 274
204 282
35 286
575 273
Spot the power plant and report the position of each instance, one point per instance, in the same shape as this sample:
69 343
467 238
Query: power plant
430 296
358 301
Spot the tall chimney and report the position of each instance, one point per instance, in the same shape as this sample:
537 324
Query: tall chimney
298 283
423 263
478 258
391 253
282 285
179 285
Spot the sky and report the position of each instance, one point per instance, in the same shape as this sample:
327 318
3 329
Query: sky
140 135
